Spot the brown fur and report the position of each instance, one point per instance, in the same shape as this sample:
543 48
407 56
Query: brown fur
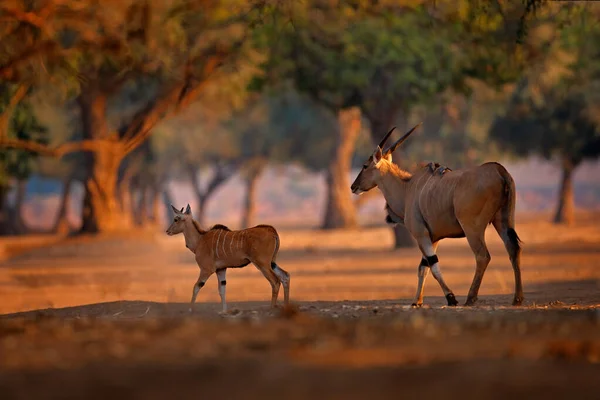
220 248
460 203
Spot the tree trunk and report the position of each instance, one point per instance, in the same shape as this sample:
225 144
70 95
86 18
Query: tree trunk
125 186
142 207
11 222
167 200
19 224
6 221
249 211
566 202
221 174
200 210
61 224
154 216
100 207
340 211
379 126
101 212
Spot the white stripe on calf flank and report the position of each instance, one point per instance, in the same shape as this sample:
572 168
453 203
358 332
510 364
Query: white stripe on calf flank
231 243
224 236
217 244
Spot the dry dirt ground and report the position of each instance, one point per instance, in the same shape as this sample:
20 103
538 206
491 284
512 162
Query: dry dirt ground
107 317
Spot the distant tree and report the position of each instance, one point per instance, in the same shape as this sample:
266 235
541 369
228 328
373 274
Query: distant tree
196 146
279 127
173 49
553 111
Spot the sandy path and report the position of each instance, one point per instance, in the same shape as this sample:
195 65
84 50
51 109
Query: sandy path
558 265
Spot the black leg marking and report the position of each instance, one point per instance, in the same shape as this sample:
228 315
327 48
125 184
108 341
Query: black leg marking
432 260
273 265
200 284
451 299
424 262
223 283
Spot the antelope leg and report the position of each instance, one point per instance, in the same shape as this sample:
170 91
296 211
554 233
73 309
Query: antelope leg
482 256
428 249
222 282
198 285
422 272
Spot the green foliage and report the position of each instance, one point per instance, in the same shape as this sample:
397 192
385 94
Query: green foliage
343 55
553 109
23 124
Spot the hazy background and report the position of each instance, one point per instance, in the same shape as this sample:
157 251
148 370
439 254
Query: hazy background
264 111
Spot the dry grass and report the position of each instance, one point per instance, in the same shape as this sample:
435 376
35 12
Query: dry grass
559 264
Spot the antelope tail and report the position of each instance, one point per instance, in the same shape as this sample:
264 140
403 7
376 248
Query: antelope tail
282 274
276 246
508 209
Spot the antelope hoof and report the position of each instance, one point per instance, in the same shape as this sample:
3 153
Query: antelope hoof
470 301
517 301
415 305
451 299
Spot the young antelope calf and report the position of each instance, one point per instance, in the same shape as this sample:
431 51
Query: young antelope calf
220 248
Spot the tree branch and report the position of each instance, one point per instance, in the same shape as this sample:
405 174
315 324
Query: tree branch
58 151
48 47
37 20
5 117
171 102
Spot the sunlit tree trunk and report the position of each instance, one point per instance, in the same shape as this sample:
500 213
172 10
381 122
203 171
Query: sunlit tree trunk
340 211
101 212
565 212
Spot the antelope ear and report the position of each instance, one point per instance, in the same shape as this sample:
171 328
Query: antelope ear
378 155
188 210
180 211
176 211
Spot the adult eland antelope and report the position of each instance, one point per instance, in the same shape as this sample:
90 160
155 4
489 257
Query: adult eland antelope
220 248
453 204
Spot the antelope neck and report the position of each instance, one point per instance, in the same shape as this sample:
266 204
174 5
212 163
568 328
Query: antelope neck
192 236
393 184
